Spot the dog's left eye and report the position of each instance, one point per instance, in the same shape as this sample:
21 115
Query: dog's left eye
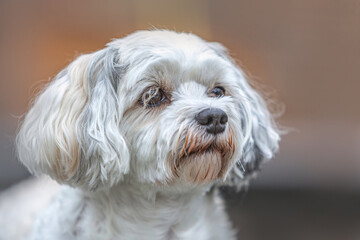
217 92
153 97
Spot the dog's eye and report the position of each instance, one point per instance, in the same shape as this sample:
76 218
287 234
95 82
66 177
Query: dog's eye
217 92
153 97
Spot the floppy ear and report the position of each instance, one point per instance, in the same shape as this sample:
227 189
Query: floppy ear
260 135
72 130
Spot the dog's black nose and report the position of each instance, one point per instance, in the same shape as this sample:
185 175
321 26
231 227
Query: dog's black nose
214 119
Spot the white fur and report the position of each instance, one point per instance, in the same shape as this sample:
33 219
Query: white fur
132 167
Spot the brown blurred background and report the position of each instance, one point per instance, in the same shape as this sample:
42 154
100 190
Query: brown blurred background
306 53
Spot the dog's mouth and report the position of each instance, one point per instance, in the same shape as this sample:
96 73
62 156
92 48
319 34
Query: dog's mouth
203 158
202 167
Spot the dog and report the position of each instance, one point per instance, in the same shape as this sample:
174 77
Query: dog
141 134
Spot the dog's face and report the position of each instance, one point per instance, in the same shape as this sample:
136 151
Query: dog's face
156 106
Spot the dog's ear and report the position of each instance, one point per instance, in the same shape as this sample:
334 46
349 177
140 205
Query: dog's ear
260 135
72 130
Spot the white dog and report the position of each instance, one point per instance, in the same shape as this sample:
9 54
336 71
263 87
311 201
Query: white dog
142 132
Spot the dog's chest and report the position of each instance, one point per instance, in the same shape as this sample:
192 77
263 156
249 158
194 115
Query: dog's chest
164 219
76 217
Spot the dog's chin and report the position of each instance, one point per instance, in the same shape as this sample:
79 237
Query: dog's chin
202 167
202 158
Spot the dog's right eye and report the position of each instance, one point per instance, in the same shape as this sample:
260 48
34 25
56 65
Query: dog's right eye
218 92
153 97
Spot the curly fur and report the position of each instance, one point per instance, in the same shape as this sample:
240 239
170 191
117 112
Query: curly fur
142 172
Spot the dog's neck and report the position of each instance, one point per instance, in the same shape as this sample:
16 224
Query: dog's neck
156 210
151 195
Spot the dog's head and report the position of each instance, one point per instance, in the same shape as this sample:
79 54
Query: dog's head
156 106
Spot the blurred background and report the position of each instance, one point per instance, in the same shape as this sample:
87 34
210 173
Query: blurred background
306 54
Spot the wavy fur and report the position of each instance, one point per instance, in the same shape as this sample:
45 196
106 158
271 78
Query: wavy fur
143 171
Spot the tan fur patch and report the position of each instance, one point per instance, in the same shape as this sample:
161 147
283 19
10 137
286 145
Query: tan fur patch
203 158
73 103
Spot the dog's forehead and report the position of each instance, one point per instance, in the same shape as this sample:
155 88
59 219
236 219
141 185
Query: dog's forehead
159 42
144 47
177 56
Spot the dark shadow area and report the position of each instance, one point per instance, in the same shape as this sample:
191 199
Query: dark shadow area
296 215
